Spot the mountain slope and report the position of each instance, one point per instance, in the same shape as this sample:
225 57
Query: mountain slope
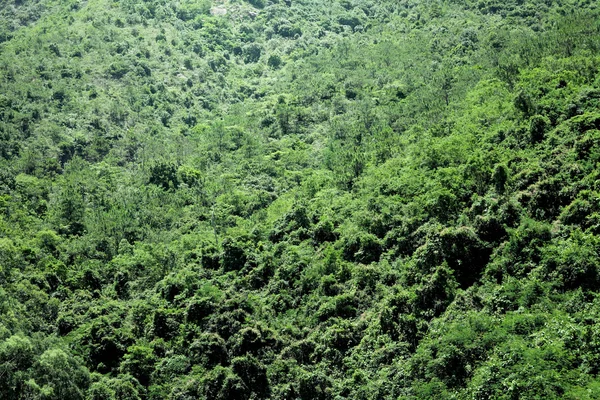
305 199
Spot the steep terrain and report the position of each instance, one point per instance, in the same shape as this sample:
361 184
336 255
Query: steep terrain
299 199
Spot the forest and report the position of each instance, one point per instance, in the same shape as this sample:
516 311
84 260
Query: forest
299 199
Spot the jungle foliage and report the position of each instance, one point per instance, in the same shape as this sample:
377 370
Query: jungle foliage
299 199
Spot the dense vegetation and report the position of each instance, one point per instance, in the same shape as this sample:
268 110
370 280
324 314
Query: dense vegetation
299 199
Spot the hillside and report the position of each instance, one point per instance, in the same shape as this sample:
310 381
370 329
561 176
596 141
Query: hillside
299 199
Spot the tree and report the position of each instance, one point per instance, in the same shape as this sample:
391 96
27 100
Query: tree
16 358
58 375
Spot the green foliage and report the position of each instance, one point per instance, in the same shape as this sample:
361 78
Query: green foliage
303 200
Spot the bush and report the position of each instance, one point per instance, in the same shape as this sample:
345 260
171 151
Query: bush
362 247
254 375
573 262
209 350
274 61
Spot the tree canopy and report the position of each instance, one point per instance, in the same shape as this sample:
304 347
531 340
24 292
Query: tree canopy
299 199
